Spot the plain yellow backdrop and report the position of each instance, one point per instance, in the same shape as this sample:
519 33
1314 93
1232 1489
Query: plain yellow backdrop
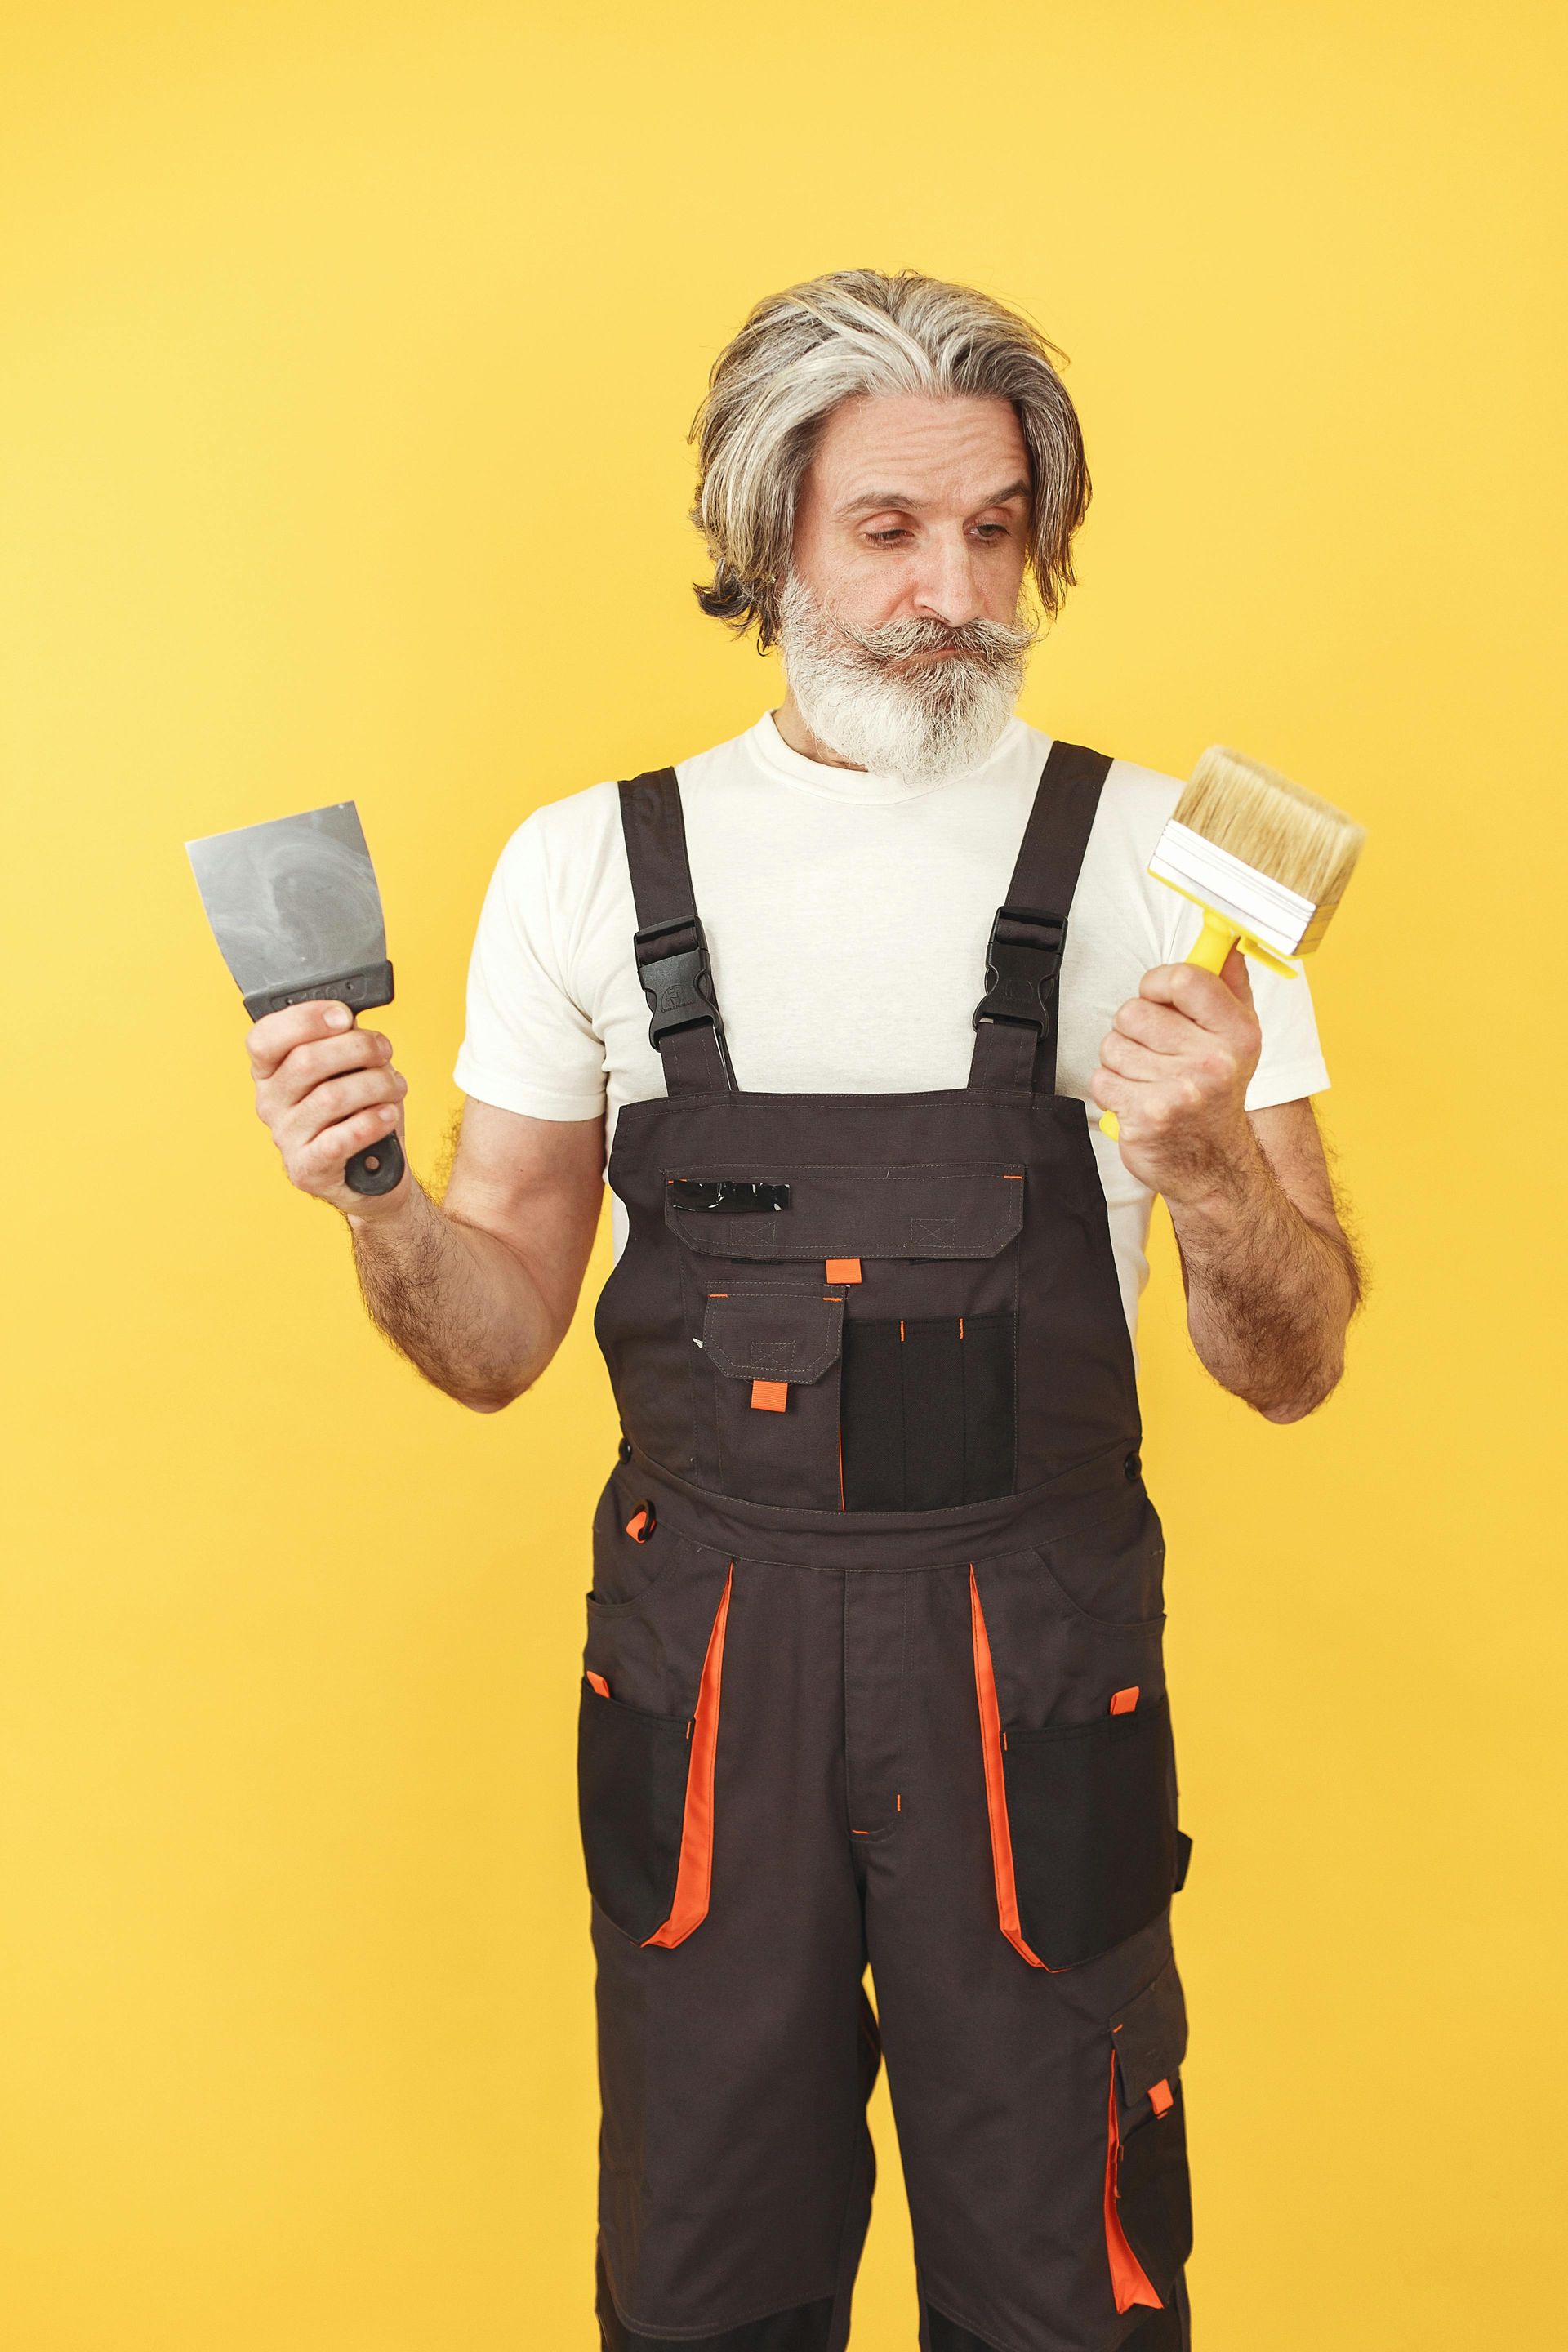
348 355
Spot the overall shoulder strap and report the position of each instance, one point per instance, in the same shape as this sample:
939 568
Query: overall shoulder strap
1015 1020
670 951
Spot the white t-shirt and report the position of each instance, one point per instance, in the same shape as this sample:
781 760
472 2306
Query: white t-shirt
847 916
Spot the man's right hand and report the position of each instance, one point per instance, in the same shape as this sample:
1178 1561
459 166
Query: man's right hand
326 1090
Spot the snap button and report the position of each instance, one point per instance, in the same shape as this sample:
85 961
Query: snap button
1132 1466
624 1449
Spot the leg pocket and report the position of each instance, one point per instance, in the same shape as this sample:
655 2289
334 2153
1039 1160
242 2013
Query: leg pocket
1094 1839
645 1785
1148 2193
631 1790
1082 1816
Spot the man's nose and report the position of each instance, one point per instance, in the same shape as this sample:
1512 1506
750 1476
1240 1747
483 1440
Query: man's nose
946 589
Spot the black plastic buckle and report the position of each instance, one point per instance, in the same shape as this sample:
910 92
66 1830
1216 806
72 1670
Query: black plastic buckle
1023 957
679 984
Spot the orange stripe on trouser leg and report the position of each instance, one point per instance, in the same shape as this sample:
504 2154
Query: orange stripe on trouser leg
1129 2279
694 1876
995 1781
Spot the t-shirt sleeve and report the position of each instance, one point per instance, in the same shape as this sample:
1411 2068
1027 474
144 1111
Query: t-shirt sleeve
529 1046
1291 1063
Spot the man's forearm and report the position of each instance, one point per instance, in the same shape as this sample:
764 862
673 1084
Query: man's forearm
1269 1294
458 1302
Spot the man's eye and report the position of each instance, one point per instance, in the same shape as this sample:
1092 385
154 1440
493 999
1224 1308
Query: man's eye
885 537
991 531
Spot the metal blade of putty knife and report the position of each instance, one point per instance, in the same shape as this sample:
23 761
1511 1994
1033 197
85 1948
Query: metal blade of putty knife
294 907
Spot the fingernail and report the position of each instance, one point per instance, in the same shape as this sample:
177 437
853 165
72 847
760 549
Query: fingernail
339 1016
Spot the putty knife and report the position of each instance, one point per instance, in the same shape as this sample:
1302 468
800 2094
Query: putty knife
295 910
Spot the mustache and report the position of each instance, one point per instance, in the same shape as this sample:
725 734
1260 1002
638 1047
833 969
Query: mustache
987 646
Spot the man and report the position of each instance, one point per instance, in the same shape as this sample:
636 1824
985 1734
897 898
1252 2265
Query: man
874 1669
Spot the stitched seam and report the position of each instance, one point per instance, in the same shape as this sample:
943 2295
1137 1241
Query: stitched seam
986 2335
745 2319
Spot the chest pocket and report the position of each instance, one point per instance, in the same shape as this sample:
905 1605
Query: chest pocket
858 1326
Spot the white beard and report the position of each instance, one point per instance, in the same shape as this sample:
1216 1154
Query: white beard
935 720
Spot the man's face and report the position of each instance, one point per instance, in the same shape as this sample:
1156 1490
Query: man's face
899 624
915 509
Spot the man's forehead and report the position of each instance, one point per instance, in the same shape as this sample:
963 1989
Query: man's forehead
913 449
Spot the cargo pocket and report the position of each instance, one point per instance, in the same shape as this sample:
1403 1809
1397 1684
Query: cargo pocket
1082 1817
644 1791
774 1359
1148 2193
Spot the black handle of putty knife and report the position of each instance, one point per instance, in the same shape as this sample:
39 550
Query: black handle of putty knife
377 1169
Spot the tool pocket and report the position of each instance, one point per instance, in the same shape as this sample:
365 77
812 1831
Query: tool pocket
648 1743
929 1411
1081 1807
923 1390
772 1356
1148 2193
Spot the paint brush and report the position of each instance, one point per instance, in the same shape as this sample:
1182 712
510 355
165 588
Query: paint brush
1267 862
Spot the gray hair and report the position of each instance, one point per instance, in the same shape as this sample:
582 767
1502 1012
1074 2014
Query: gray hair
803 351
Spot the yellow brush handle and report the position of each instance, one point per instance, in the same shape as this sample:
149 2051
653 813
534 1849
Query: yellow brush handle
1210 949
1213 943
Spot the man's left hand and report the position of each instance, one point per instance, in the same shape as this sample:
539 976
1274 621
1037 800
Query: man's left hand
1174 1068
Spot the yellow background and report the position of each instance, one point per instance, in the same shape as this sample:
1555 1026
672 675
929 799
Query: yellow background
349 353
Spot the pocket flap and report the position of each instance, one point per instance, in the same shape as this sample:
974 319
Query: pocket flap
773 1335
938 1211
1150 2036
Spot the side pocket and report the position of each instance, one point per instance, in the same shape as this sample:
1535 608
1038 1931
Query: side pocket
1148 2193
1083 1832
645 1789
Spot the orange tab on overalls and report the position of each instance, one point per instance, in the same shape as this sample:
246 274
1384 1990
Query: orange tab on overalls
843 1269
1122 1702
770 1396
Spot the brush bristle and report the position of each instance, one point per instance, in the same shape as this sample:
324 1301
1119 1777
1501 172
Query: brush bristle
1271 824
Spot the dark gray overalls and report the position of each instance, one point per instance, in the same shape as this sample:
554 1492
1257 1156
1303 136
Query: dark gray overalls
874 1674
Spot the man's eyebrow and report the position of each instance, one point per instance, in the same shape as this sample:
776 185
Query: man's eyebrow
900 501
